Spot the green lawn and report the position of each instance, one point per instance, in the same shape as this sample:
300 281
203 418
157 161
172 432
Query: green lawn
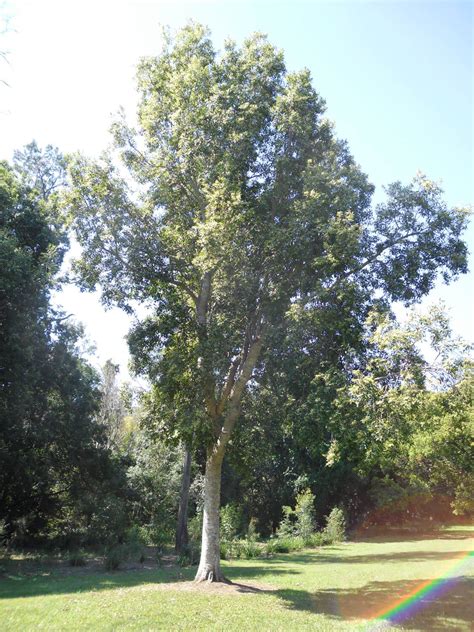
334 588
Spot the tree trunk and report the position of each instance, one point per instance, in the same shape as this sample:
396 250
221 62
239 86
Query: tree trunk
209 566
182 526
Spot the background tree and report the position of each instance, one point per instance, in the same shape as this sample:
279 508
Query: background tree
245 205
113 406
406 422
51 449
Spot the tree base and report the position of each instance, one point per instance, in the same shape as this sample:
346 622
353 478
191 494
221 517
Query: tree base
211 575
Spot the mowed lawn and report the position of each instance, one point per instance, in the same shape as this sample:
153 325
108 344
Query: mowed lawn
333 588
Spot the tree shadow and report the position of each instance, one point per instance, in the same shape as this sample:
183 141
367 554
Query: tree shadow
405 556
386 536
322 557
47 583
451 609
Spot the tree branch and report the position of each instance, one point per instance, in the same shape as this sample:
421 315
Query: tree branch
376 255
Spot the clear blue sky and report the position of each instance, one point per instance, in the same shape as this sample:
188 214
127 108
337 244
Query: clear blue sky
397 78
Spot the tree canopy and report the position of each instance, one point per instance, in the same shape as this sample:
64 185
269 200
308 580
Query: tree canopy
233 206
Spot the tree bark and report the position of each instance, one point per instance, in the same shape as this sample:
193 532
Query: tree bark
210 566
182 526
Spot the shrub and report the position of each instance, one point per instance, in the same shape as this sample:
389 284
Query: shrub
335 530
108 522
270 548
231 521
159 536
288 544
287 524
298 521
131 549
114 557
250 549
225 550
237 549
195 528
317 538
190 556
76 558
304 512
252 534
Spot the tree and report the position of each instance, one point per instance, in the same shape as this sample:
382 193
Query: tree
407 421
51 449
113 408
245 204
41 170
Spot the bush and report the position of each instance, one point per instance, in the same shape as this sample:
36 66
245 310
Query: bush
335 530
270 548
304 512
190 555
298 521
317 538
231 521
252 534
131 550
109 521
250 549
225 549
195 528
288 544
76 558
114 557
287 525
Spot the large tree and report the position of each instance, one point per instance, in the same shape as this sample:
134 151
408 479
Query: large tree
244 204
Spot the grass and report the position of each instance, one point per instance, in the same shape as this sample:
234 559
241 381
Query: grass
333 588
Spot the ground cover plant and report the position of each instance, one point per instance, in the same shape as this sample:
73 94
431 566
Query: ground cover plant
340 587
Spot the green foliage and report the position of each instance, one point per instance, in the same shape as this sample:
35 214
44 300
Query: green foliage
114 557
230 521
132 550
253 226
287 544
77 558
195 528
154 477
190 556
304 512
287 525
250 549
335 529
298 522
53 457
252 534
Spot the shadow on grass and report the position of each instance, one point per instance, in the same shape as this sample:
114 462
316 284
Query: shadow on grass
339 557
385 536
452 609
47 583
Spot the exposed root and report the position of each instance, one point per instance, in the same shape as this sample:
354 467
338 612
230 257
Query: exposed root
211 576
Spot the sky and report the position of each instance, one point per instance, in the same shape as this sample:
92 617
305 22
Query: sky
397 78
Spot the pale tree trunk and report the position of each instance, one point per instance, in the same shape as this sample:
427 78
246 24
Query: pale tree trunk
223 411
182 526
209 565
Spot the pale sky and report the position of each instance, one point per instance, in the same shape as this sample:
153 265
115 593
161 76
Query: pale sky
397 78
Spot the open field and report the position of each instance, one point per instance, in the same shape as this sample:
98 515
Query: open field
333 588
